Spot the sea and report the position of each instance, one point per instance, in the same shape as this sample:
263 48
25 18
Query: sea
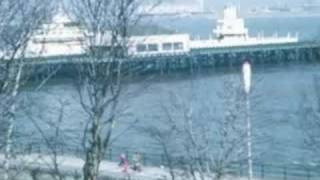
277 95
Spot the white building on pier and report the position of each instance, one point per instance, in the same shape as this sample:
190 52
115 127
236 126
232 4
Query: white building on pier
231 32
65 37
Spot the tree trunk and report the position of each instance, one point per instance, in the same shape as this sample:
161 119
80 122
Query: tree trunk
16 77
94 152
169 160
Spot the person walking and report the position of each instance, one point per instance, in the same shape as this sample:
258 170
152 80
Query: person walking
124 163
136 159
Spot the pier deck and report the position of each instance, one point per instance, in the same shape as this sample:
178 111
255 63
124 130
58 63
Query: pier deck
301 47
195 59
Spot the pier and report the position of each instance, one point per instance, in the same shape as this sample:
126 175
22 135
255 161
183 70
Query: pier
208 57
58 44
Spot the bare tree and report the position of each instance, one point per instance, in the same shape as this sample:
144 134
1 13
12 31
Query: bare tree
309 118
102 77
207 142
164 136
54 136
18 19
229 130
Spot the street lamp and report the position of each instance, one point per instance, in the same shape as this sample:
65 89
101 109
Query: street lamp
246 75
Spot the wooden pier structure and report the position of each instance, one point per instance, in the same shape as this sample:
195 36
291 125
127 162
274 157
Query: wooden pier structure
210 57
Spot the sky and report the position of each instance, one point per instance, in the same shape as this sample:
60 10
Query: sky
218 4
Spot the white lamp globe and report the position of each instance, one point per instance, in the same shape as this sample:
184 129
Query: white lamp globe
246 72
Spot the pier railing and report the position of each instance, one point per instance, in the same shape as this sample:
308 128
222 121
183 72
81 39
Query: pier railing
268 171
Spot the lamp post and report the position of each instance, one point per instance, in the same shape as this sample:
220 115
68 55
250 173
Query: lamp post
246 73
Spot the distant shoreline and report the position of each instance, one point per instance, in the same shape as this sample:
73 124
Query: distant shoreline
282 16
245 16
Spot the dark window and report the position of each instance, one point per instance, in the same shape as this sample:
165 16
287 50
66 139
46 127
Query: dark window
153 47
167 46
40 32
72 24
178 46
141 47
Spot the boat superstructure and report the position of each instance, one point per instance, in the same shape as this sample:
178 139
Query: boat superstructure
59 37
231 26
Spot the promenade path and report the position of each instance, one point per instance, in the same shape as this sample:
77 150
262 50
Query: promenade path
70 166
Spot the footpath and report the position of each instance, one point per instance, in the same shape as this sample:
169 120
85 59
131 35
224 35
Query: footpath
70 166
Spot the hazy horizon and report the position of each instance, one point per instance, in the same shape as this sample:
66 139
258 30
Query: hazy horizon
244 4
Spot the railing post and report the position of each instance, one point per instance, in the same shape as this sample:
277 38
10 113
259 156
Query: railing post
127 155
30 148
110 154
77 151
162 159
285 173
262 171
143 158
240 169
308 174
